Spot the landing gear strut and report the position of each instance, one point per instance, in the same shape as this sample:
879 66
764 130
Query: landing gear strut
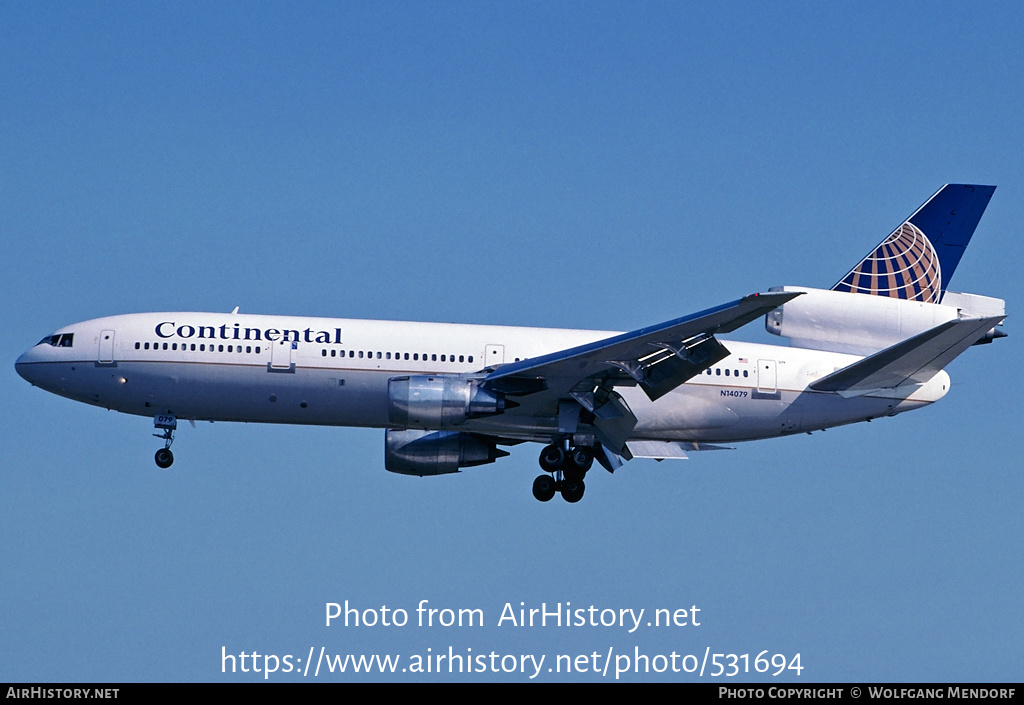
164 458
567 468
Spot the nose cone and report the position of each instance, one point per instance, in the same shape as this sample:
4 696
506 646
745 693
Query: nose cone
32 364
24 366
41 368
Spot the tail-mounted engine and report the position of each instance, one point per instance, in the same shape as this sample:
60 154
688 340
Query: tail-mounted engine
411 452
863 324
437 401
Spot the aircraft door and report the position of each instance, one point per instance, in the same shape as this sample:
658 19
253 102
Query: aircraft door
106 348
282 357
767 376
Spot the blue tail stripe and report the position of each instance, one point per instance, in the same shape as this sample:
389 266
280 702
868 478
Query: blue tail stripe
949 219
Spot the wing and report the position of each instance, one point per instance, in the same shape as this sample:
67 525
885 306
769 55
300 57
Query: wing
658 358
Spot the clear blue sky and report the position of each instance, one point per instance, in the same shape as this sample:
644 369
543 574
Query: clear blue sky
584 165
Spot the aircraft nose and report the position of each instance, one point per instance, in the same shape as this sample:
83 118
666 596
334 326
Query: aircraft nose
23 365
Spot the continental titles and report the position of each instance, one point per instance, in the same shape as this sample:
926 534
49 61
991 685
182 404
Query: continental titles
171 329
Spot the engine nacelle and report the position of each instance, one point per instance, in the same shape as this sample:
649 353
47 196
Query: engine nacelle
860 324
412 452
438 401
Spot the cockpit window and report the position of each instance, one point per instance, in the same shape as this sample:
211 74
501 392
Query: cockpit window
61 340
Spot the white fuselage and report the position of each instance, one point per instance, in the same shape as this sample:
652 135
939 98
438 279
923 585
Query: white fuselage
276 369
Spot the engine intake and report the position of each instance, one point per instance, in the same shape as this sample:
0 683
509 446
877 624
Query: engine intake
413 452
435 401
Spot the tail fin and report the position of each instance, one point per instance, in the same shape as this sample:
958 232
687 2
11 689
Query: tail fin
918 259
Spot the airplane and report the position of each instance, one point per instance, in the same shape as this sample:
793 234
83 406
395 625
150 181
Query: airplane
449 395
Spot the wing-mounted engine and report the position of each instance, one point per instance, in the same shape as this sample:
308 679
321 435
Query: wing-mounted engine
439 401
863 324
413 452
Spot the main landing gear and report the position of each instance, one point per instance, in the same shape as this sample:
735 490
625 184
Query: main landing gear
167 423
568 467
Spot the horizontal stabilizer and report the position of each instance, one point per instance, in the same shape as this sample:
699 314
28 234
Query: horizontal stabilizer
912 361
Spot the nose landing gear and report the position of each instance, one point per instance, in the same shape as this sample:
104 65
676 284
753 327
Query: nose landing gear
167 422
567 468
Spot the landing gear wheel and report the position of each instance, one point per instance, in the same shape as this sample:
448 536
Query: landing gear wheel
164 458
572 490
582 458
552 458
544 488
